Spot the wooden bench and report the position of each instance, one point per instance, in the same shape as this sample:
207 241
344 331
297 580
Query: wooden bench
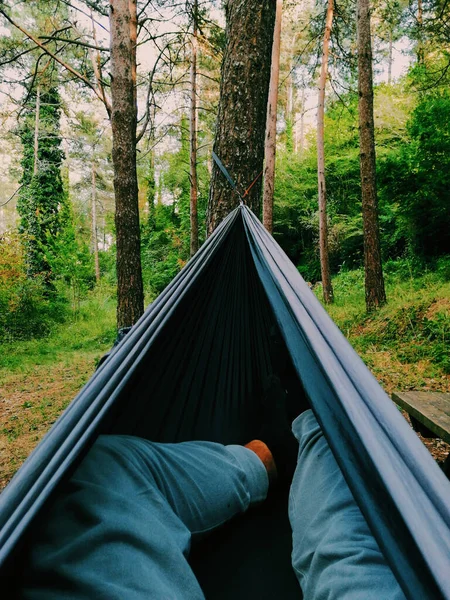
429 413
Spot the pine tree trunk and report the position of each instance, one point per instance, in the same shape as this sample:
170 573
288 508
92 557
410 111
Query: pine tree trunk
94 224
241 120
130 297
374 282
323 225
271 124
193 137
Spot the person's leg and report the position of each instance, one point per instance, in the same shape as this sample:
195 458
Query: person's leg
334 553
121 527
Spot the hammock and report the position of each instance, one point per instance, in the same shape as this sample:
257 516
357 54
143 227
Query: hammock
191 369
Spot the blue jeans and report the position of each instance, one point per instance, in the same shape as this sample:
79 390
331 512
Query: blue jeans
122 527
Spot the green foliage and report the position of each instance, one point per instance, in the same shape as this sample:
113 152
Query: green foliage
162 250
426 207
166 236
413 327
70 262
26 308
90 329
413 173
42 196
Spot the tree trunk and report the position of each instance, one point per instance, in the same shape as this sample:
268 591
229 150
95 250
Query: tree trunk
94 224
193 136
36 131
290 135
420 53
301 142
130 297
375 293
151 191
271 124
390 57
323 226
241 120
151 179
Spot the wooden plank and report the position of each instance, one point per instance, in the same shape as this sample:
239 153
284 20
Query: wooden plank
430 408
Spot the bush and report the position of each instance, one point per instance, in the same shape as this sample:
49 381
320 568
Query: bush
27 307
443 268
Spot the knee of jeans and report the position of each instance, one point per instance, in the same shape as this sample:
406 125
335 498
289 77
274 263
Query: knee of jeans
107 459
305 425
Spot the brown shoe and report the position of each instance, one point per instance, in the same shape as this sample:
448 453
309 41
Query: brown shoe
265 455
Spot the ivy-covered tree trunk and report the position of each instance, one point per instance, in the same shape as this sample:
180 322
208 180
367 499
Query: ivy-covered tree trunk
241 120
42 196
374 281
130 295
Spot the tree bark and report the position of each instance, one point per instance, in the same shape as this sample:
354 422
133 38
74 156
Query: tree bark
323 225
94 223
193 136
374 281
241 120
130 296
271 124
36 131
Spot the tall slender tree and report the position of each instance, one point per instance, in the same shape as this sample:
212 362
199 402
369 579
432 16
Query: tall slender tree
374 281
130 294
193 133
94 221
323 217
241 120
271 124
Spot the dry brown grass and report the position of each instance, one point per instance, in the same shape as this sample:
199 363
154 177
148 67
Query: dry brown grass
31 401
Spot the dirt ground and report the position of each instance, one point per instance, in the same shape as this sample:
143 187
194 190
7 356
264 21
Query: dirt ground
437 447
30 402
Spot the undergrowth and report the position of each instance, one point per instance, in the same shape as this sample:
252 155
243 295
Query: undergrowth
90 328
410 334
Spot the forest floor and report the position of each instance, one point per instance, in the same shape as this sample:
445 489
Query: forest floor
39 377
405 344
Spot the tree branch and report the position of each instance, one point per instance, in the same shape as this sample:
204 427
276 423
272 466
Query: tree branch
11 197
67 3
75 42
58 60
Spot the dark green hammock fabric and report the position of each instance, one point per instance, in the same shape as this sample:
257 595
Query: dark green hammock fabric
192 367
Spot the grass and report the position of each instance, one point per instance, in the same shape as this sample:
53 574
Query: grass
91 328
38 378
406 342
